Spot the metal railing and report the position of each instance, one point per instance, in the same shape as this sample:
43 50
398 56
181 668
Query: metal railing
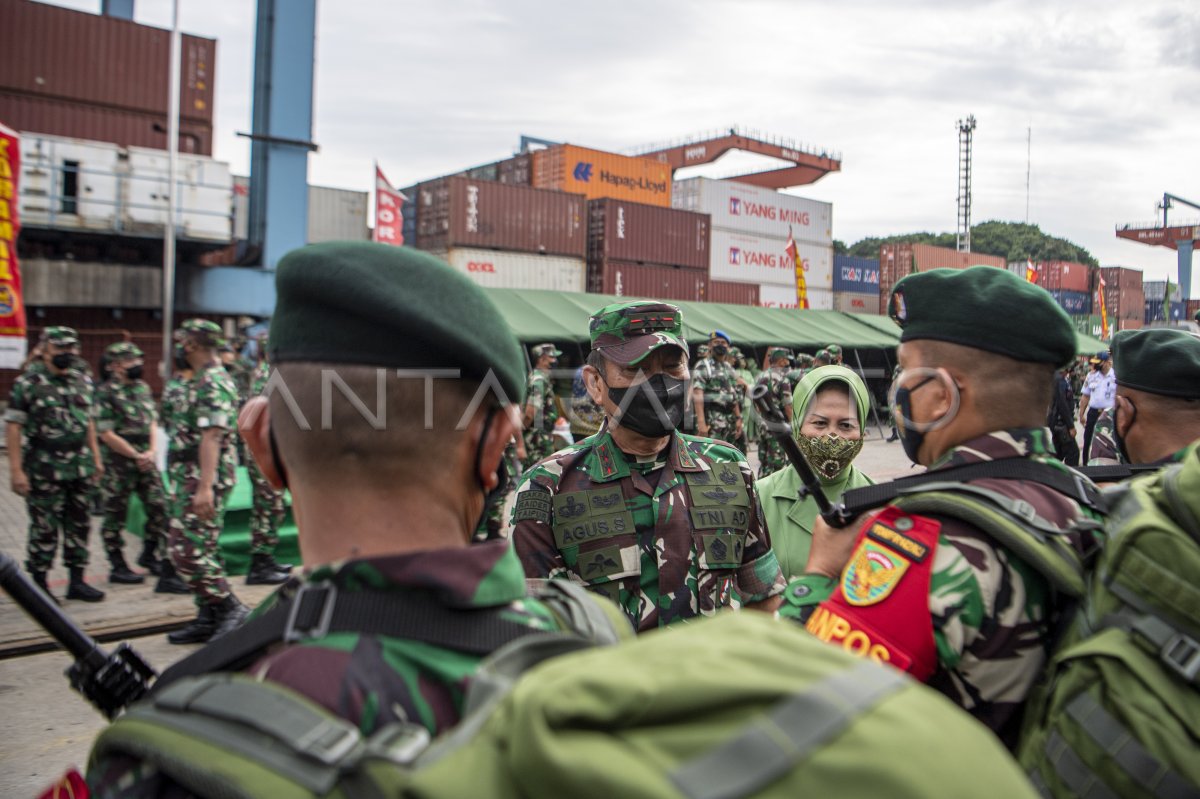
1157 225
734 130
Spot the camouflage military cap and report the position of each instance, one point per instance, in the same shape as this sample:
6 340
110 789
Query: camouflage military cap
626 332
735 352
834 350
702 351
61 336
1158 361
122 349
804 360
823 355
544 349
778 352
203 330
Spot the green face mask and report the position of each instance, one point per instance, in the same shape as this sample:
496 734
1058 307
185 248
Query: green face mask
829 455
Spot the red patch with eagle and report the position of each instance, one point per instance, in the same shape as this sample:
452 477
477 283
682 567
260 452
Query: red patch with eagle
880 608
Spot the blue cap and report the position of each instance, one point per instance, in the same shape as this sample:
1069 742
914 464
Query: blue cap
1103 356
720 334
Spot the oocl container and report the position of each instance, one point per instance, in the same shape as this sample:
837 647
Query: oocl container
856 275
856 302
754 259
752 209
596 174
518 270
625 231
732 293
626 279
460 212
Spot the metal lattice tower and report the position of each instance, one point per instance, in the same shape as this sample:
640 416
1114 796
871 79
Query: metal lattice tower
966 128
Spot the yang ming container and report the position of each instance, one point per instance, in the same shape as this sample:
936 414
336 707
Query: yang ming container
596 174
786 297
625 231
626 279
755 259
753 210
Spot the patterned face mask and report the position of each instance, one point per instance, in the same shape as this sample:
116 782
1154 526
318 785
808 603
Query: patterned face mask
829 455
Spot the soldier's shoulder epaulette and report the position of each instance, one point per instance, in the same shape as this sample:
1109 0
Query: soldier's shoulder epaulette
712 449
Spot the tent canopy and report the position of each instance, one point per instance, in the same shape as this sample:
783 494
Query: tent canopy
1086 345
539 315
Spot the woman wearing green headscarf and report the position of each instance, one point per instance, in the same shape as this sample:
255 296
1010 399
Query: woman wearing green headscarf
829 415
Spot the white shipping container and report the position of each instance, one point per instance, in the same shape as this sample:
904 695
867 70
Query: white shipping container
50 164
751 209
336 214
518 270
785 297
205 195
742 258
241 207
856 302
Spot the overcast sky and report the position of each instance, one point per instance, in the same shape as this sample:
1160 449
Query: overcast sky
1110 89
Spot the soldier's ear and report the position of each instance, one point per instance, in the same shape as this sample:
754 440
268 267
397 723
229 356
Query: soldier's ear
254 425
504 424
593 382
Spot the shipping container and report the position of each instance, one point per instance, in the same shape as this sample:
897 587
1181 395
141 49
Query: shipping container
785 297
408 216
626 279
1123 294
732 293
1154 290
1073 302
899 259
1065 276
336 215
98 123
460 212
856 275
1124 324
518 270
1088 324
753 259
1192 308
755 210
856 302
624 231
596 174
1158 311
82 59
515 170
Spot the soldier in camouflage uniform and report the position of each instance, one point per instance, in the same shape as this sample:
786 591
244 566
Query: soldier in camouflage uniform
201 470
835 354
267 508
771 457
715 393
823 357
745 379
802 363
57 468
541 411
931 592
126 422
665 524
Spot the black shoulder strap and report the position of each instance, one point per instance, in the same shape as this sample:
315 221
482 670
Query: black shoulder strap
1113 472
319 609
1069 483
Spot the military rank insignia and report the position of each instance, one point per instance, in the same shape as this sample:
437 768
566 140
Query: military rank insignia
872 574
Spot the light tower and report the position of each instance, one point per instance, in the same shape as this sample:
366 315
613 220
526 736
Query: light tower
966 128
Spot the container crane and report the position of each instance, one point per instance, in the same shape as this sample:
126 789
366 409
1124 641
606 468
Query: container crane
1181 238
808 163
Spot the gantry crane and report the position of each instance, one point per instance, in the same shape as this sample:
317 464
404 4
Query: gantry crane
1182 238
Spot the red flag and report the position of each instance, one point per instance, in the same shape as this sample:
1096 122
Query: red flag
389 205
12 307
1030 271
801 284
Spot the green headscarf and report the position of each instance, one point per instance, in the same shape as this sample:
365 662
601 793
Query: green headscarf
790 520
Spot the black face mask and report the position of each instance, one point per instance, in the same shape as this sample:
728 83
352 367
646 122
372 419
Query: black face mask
62 360
1119 439
134 372
720 349
655 407
910 438
179 357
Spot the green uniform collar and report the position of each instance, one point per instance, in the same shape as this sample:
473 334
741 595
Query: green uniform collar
606 463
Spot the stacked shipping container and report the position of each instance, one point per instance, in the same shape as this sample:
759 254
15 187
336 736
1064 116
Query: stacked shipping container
596 174
901 259
1124 298
855 284
640 250
750 228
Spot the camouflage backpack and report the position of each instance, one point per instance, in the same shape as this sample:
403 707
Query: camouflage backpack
737 705
1119 711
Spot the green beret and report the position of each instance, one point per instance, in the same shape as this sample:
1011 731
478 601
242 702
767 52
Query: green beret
1158 361
208 333
984 308
122 349
380 305
626 332
61 336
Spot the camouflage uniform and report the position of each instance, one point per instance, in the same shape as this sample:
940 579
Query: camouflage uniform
835 353
267 508
718 381
53 412
209 403
771 457
539 443
670 540
993 616
127 409
1103 449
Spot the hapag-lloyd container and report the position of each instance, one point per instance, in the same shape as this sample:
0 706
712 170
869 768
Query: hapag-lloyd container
732 293
518 270
856 275
785 297
596 174
754 210
753 259
460 212
856 302
626 231
626 279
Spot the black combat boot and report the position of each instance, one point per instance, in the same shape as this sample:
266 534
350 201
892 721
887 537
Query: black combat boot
78 589
148 560
265 571
199 630
228 615
39 579
168 581
121 573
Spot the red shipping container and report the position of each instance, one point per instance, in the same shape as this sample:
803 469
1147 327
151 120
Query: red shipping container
1124 296
733 293
100 123
460 212
1065 276
626 279
625 231
927 257
1193 306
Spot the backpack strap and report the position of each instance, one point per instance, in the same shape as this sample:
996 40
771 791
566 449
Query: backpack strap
597 621
1059 478
1111 472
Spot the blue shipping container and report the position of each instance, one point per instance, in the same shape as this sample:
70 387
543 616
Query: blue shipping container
858 275
1073 302
1155 312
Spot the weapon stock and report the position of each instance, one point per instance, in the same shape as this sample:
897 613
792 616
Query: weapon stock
781 429
110 681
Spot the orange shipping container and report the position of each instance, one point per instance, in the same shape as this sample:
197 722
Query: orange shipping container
597 174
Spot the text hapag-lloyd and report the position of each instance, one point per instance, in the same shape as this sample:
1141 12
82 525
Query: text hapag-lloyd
743 257
740 207
640 184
